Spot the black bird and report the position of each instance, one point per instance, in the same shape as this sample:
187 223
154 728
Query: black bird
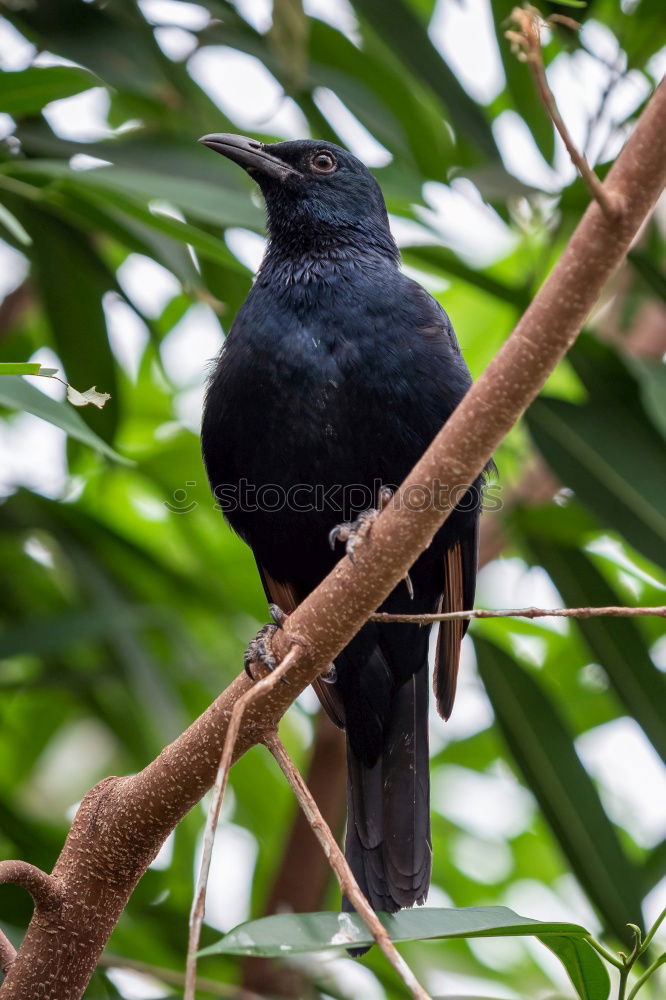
336 375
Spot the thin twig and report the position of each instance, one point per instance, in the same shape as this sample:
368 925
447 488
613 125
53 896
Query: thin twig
262 687
7 952
43 888
447 616
338 863
174 978
526 43
661 960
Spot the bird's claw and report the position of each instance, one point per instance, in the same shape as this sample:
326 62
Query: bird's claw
353 532
278 615
259 650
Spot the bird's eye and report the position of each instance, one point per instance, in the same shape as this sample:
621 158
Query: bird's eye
323 162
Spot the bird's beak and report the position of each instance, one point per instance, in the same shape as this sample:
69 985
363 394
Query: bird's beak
250 154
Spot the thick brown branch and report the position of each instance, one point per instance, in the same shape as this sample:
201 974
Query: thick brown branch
527 41
43 888
348 884
7 952
122 823
609 612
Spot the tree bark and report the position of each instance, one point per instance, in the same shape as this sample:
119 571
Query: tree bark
122 822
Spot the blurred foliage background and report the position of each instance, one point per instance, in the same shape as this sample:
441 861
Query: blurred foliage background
126 603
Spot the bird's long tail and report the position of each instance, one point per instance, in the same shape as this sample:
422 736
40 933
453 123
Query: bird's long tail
388 844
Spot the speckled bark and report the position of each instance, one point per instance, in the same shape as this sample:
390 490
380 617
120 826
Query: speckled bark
123 821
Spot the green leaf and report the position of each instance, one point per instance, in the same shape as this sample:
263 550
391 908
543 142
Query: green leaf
587 972
19 368
72 280
652 379
399 27
28 90
292 933
209 202
654 866
543 749
13 226
608 456
302 932
521 85
19 395
647 270
440 260
615 643
210 246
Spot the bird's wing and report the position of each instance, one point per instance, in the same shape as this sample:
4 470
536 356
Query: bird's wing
287 599
460 563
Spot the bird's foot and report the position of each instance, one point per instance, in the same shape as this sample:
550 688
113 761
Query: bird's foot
352 533
260 649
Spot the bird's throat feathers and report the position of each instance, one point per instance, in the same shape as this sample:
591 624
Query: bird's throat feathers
319 255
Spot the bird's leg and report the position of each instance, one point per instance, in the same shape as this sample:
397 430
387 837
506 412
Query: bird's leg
353 532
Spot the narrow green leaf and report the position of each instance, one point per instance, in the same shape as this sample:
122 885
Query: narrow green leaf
615 643
652 378
654 866
399 27
210 246
543 749
19 395
521 85
442 260
26 91
608 457
206 201
19 368
13 226
647 270
72 280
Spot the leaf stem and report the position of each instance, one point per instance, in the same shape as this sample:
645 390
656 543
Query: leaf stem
604 952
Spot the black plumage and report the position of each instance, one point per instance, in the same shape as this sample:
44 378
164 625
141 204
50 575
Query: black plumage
336 375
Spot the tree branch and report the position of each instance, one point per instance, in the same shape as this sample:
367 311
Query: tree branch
447 616
122 822
527 44
348 884
43 888
7 952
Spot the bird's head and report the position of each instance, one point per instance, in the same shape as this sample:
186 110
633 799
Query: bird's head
314 190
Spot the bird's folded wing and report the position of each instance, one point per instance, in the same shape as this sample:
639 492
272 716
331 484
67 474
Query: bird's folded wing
459 585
